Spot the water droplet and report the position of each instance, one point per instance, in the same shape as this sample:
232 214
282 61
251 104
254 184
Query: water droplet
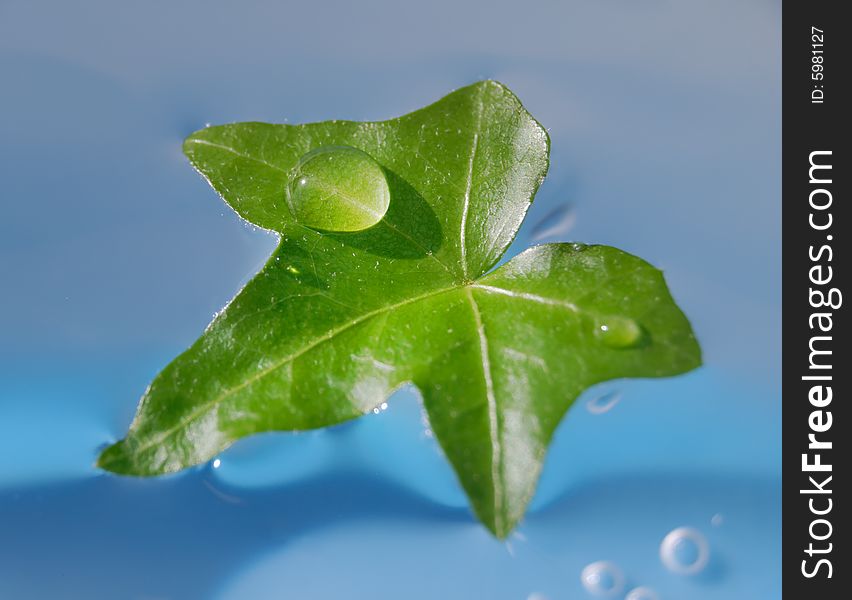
603 403
427 426
338 188
380 408
555 223
642 593
717 520
685 551
618 332
602 579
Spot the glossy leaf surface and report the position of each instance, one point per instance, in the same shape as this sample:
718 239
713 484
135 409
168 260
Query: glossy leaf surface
336 321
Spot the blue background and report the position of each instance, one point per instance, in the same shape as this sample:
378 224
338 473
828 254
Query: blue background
114 255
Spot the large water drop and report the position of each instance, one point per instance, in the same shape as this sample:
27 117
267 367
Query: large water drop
602 579
338 188
618 332
685 551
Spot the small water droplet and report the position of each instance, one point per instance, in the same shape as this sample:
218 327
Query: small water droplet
338 188
603 403
642 593
717 520
555 223
603 579
618 332
685 551
427 426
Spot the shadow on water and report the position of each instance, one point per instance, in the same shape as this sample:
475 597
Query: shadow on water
173 537
409 229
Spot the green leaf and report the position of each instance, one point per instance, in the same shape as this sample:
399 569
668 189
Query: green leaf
336 321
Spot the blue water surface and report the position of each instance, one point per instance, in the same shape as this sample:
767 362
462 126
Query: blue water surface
114 255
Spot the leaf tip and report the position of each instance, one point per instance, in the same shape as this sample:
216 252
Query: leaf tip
112 459
501 528
541 130
499 522
189 143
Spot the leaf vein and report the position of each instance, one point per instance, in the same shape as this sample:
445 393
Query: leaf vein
202 408
469 184
236 152
531 297
493 419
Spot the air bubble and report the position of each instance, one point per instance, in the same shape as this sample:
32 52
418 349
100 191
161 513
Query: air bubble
685 551
602 579
642 593
338 188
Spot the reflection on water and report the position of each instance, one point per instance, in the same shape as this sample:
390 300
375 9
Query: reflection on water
603 403
113 254
555 224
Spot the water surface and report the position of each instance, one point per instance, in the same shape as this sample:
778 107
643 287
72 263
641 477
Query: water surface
114 255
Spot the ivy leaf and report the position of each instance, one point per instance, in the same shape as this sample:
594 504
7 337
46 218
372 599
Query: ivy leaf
336 321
